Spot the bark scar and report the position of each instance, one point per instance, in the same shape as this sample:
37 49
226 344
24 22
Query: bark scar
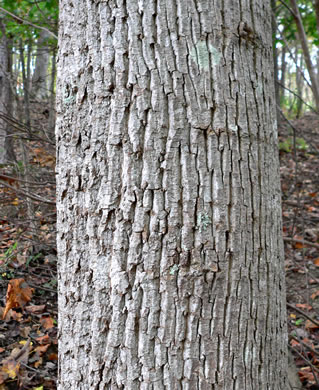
245 31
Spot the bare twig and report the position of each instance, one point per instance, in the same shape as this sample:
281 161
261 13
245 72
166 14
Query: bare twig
287 6
313 368
32 183
25 193
305 345
43 288
304 242
303 314
297 96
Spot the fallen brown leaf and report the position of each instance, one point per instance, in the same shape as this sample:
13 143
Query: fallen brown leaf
11 368
310 325
315 294
41 349
47 322
18 294
53 356
304 306
43 339
11 365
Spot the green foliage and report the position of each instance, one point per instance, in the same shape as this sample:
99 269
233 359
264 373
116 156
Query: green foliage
288 26
299 321
19 167
301 144
287 145
5 258
33 259
39 13
9 252
51 284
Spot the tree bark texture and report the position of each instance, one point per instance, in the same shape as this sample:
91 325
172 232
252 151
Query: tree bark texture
168 197
275 52
6 145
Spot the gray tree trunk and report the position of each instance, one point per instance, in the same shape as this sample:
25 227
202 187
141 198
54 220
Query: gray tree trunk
168 197
283 73
6 144
299 83
304 45
275 52
40 85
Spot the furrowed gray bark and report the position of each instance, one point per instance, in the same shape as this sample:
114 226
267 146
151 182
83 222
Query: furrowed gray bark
6 145
168 197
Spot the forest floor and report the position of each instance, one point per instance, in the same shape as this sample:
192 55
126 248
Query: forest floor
28 316
299 161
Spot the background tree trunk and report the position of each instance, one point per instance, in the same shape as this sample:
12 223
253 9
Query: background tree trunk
283 73
316 7
275 53
299 84
52 113
306 52
169 218
6 144
40 88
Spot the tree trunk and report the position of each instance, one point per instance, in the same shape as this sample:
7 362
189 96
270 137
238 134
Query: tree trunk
299 84
306 52
25 70
6 144
40 88
316 6
283 73
51 125
168 197
275 52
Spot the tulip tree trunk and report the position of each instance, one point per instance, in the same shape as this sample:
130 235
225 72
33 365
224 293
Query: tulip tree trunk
169 218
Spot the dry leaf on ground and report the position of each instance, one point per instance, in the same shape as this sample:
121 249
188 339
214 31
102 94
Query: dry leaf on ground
18 294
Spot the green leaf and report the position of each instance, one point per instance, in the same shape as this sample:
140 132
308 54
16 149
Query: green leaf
299 322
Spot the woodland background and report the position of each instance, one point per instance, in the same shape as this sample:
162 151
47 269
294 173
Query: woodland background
28 48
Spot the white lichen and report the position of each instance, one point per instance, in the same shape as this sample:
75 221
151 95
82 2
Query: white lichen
201 55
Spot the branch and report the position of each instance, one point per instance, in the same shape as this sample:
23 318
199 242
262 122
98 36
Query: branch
287 6
27 194
293 57
23 21
303 313
304 242
304 344
297 96
11 179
